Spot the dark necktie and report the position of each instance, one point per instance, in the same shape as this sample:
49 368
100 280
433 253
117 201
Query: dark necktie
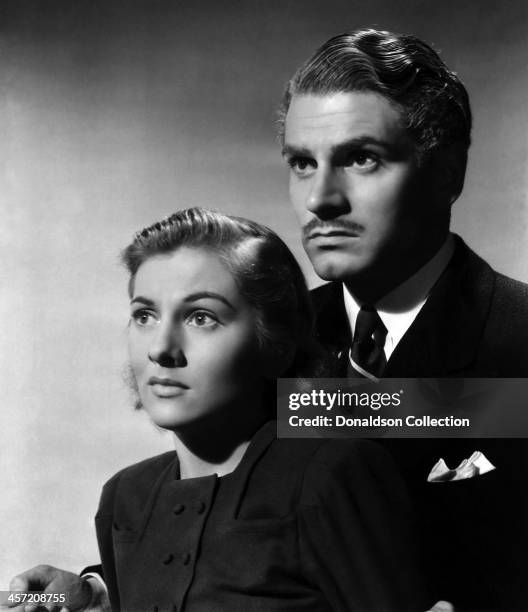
367 346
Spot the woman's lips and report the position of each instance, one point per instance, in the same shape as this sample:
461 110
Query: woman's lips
166 387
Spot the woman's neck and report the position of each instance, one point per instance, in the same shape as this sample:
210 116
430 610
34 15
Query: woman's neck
193 465
216 445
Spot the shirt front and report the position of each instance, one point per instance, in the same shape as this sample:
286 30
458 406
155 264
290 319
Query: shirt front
399 308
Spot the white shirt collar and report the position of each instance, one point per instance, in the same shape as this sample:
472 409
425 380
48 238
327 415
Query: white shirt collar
400 307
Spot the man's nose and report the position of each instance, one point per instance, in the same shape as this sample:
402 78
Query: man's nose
167 348
327 197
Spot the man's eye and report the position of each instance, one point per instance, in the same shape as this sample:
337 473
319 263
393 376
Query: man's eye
202 319
301 166
144 318
363 161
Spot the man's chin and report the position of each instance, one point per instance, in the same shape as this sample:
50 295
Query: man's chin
335 267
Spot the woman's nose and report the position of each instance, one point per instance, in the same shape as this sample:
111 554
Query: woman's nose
166 348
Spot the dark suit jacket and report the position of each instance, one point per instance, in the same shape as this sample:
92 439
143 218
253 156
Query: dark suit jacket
313 525
474 534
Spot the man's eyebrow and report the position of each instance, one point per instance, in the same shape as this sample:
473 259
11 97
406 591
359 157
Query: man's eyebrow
357 143
352 143
142 300
200 295
293 151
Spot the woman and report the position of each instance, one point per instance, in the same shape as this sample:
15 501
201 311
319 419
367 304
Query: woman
236 520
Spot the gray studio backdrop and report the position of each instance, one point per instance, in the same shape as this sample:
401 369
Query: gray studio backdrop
114 114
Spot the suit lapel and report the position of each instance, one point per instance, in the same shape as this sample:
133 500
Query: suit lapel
445 336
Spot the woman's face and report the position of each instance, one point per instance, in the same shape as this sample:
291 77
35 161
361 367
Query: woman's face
192 339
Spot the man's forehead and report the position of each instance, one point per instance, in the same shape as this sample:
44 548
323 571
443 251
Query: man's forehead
346 114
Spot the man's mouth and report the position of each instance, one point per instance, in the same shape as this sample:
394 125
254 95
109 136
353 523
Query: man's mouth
319 229
332 233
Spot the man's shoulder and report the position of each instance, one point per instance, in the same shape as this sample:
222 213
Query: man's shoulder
513 292
478 285
508 317
466 258
495 307
508 296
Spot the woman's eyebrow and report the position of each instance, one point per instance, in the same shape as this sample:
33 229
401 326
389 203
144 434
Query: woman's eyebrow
199 295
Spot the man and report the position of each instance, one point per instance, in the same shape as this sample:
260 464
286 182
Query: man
376 131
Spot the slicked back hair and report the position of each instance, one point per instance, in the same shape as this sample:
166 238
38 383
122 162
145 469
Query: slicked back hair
433 102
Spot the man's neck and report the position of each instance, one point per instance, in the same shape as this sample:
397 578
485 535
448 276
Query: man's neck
372 286
398 308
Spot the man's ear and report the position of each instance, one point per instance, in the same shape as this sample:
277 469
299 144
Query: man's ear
448 172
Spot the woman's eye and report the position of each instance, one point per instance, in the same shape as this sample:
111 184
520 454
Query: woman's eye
202 319
143 318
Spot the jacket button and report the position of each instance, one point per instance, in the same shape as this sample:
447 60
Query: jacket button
186 559
200 507
178 508
167 558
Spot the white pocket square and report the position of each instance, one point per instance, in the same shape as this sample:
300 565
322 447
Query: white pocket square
476 465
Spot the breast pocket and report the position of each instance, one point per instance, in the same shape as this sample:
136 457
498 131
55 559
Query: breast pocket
471 498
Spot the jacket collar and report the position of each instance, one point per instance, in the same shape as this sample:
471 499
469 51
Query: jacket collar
444 337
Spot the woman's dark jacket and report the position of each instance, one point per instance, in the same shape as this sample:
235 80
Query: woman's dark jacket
309 525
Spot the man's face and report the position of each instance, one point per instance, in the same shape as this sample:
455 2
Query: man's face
362 201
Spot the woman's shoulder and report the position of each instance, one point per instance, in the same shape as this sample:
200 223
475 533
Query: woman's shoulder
332 454
146 467
335 454
332 467
293 457
139 474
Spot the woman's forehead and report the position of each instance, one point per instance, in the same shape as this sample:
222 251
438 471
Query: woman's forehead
187 270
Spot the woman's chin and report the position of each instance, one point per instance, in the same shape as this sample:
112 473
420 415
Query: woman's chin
171 415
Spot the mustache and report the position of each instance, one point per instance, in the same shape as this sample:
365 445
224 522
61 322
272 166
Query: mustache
335 224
